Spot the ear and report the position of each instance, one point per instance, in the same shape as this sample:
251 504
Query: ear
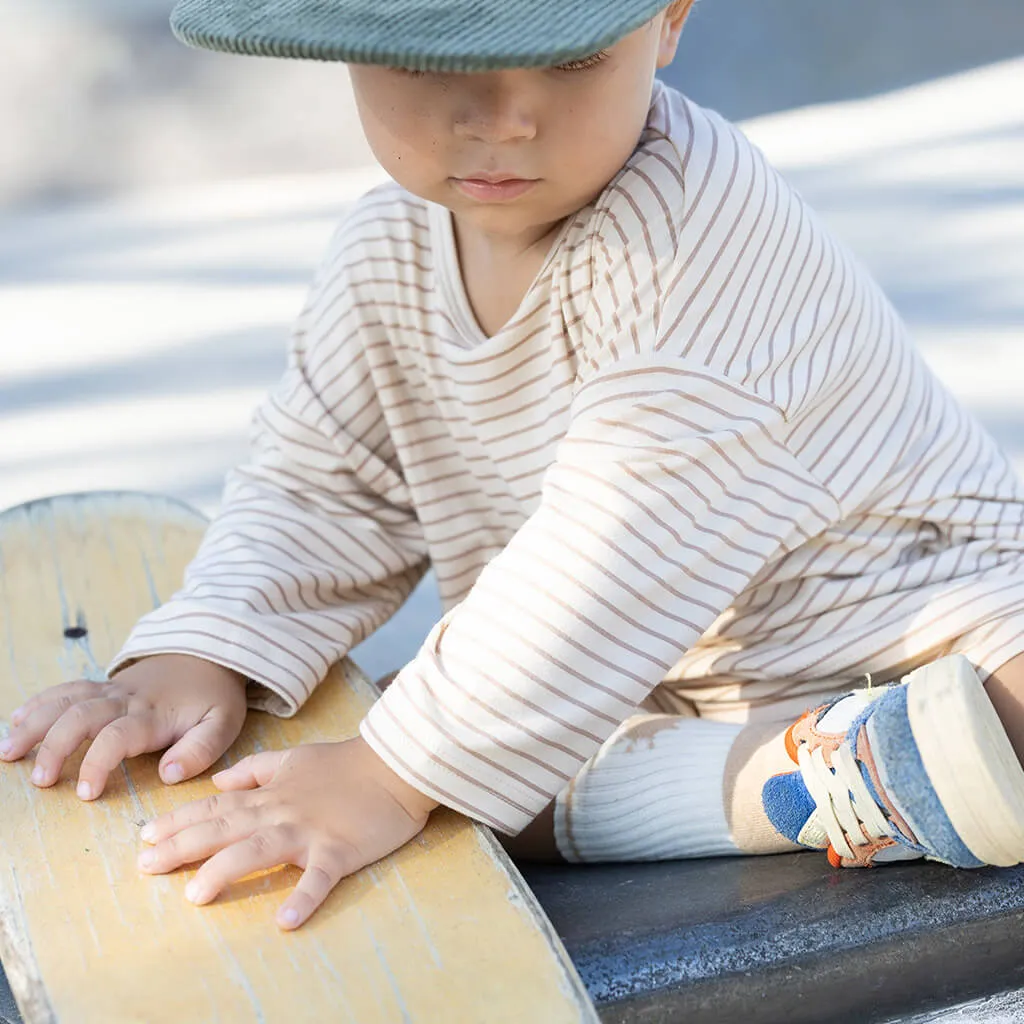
673 19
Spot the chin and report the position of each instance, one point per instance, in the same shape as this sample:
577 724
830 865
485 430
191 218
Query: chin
503 220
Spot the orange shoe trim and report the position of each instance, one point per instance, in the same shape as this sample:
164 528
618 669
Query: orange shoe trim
790 740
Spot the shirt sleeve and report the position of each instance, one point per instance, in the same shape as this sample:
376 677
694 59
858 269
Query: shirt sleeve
673 487
670 492
316 543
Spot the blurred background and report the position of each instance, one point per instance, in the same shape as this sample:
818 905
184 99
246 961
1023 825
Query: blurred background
161 210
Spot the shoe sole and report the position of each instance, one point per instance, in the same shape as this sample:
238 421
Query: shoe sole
968 757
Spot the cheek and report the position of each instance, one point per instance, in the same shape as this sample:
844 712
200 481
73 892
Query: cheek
598 135
405 143
400 129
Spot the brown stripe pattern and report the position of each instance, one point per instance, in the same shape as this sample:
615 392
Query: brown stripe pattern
703 451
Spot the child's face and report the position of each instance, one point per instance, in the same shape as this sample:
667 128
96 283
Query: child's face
561 133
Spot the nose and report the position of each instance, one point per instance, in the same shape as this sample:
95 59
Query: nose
495 107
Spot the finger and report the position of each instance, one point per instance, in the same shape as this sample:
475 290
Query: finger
199 747
261 850
254 770
312 889
127 736
64 694
80 722
33 728
208 809
197 842
36 717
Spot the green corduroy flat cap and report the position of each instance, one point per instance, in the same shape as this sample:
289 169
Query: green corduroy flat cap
422 35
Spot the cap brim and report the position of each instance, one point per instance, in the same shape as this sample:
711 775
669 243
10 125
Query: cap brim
422 35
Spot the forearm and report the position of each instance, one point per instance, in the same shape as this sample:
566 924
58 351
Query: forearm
280 591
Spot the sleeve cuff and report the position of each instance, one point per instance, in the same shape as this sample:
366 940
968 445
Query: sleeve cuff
258 696
437 766
280 681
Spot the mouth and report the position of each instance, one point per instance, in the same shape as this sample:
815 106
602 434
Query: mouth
494 187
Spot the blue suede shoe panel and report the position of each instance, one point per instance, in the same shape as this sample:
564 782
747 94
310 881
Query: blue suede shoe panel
906 781
787 803
897 833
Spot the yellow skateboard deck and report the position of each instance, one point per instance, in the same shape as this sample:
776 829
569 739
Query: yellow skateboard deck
443 931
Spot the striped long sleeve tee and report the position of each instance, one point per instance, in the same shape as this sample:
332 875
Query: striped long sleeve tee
703 448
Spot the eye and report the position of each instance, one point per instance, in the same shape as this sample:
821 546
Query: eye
584 62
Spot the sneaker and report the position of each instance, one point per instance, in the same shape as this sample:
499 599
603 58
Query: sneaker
922 768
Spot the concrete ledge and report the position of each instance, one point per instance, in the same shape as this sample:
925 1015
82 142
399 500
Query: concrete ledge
8 1008
784 938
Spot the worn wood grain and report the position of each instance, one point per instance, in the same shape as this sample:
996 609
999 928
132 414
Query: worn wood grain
444 930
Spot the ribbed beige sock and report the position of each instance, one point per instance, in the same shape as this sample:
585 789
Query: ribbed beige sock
654 791
758 752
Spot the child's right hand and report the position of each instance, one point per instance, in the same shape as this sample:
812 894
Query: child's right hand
193 706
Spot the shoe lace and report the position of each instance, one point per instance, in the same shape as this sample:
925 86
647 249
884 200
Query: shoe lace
845 807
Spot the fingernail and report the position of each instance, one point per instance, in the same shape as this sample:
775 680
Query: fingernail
290 916
38 775
16 716
174 773
5 748
146 859
84 791
192 892
148 833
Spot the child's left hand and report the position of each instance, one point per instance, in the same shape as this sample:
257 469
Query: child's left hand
329 808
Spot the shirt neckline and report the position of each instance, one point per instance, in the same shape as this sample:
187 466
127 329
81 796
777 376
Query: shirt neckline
453 288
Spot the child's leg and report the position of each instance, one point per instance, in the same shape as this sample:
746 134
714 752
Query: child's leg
668 786
654 791
664 786
610 771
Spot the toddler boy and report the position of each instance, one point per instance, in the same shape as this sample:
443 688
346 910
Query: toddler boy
678 469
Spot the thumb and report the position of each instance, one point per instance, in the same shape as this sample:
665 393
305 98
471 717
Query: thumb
254 770
198 748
